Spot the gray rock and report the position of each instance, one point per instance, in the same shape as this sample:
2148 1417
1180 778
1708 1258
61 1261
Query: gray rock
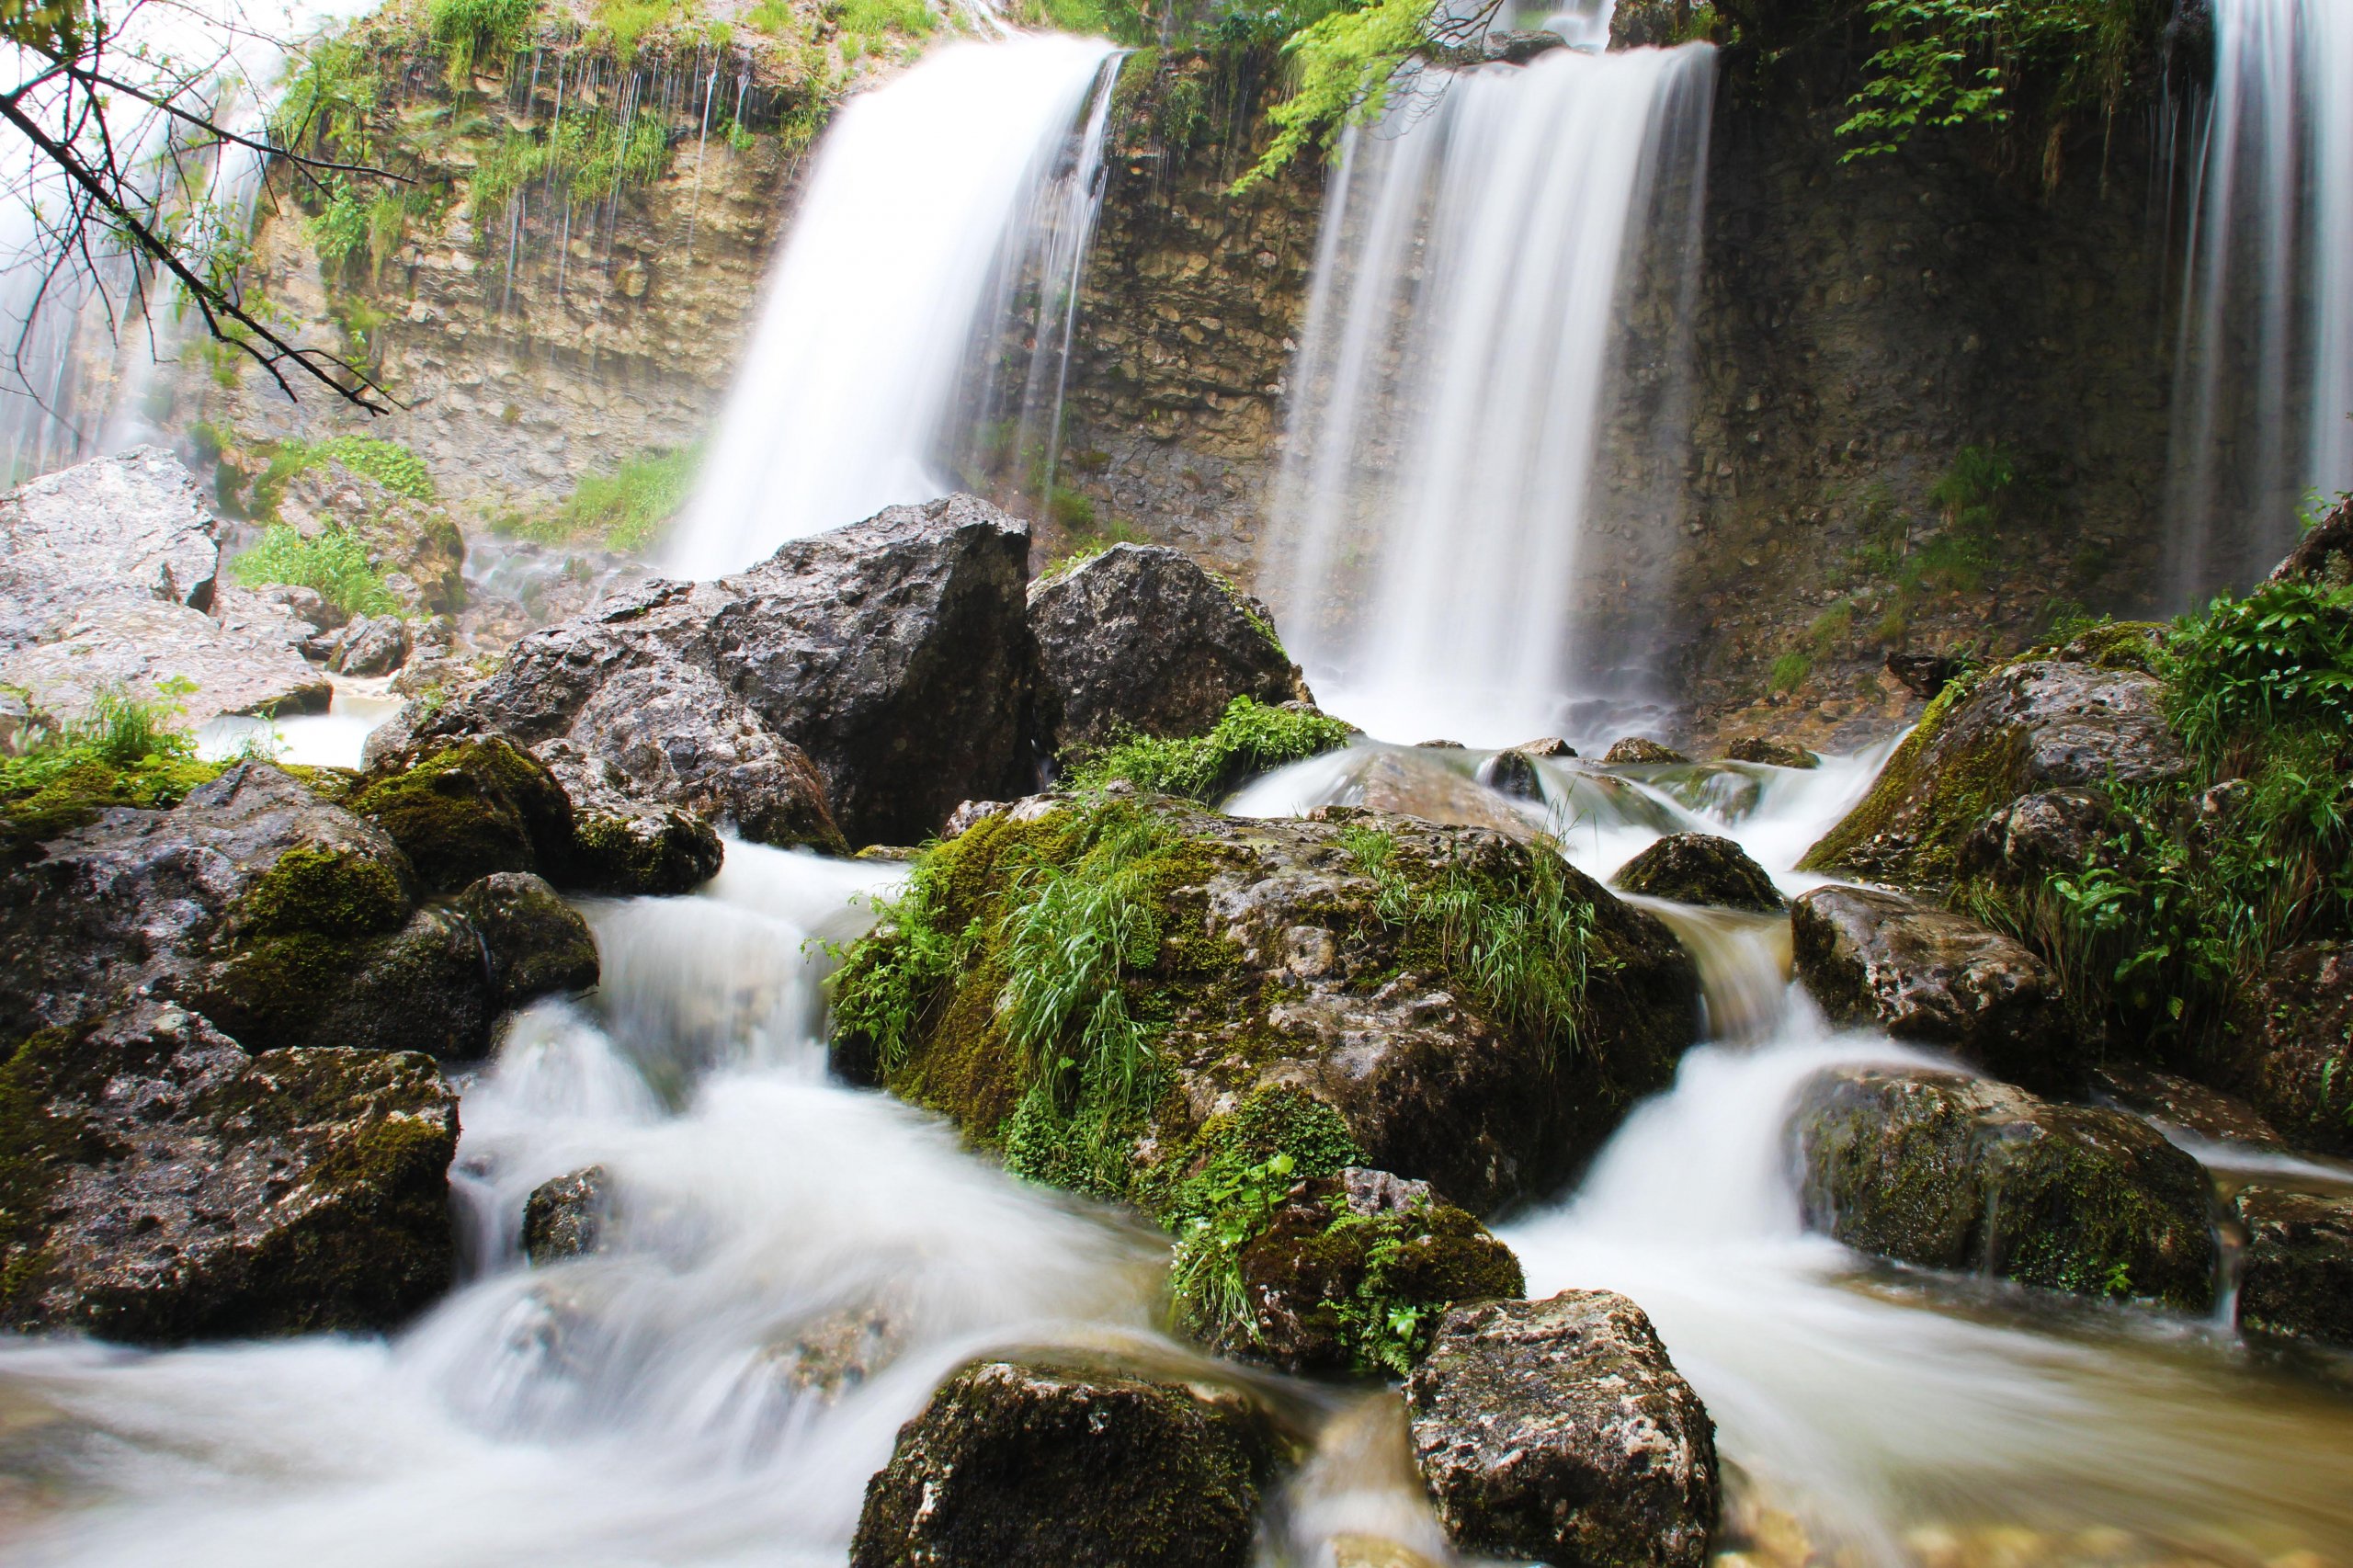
138 646
1559 1430
1634 749
2288 1046
1038 1462
1949 1171
165 1185
370 645
2177 1102
2024 841
1511 773
1928 975
896 653
2030 725
2325 554
1547 746
1773 753
566 1216
1697 867
2296 1278
534 942
1141 638
131 526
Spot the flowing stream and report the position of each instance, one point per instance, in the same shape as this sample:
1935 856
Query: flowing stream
934 200
2263 398
1466 531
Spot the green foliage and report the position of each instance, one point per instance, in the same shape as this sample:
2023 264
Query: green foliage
1250 738
341 226
1344 63
1789 670
623 24
478 32
331 563
127 751
601 154
1521 950
1085 549
907 18
2281 657
890 993
1205 1282
1949 62
624 510
329 100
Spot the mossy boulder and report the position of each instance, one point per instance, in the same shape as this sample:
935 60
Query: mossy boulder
1947 1171
472 809
534 942
1771 753
423 987
625 850
1637 751
1351 1273
1052 1462
159 1183
1929 975
566 1216
1699 868
2296 1278
1314 958
2034 724
1559 1430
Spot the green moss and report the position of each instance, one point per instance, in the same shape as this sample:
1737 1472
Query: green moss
335 891
475 808
36 1145
1937 791
37 805
1251 738
669 853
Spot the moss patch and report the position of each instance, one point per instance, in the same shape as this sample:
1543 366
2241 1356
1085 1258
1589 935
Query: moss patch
1251 738
475 808
1932 791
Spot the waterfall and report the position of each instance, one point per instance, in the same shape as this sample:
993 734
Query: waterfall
2263 405
935 202
1486 432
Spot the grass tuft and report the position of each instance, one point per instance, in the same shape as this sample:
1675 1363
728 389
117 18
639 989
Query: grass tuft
1249 739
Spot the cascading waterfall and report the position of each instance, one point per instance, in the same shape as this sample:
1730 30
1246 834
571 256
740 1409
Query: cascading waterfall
934 200
2263 411
1482 445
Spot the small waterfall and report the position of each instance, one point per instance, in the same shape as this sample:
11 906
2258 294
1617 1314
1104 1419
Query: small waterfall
2263 407
1467 523
934 200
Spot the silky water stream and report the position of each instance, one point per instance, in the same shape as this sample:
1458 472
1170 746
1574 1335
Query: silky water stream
797 1264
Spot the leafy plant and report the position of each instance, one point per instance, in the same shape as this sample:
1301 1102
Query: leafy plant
331 563
2282 656
475 32
902 970
1344 63
1249 738
125 749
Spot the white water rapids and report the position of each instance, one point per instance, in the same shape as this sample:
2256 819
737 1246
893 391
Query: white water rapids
655 1404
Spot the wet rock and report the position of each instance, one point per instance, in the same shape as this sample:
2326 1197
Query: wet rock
1773 753
1028 1461
1405 786
139 647
1927 675
2296 1278
1697 868
1559 1430
306 606
626 848
1141 638
370 645
1551 747
895 654
472 809
162 1184
1440 745
1336 1263
533 941
2325 554
1931 976
1637 750
2291 1046
1279 973
2179 1103
2024 841
1949 1171
132 527
2030 725
1512 773
565 1216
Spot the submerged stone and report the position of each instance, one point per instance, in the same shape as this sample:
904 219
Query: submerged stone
1954 1173
1559 1430
1512 773
1045 1463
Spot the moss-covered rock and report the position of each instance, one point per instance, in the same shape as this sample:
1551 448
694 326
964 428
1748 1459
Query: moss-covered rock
1473 1012
158 1184
1946 1172
2290 1046
469 809
1640 752
534 942
2031 725
2296 1278
1559 1430
1050 1463
565 1216
626 852
1697 868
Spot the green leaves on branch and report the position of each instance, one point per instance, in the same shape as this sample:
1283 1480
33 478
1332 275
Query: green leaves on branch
1345 64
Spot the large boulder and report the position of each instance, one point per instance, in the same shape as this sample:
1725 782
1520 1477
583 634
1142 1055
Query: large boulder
1313 958
1928 975
532 942
470 810
1949 1171
1141 638
108 580
159 1183
1697 868
2030 725
2325 556
1559 1430
2291 1046
2296 1278
1351 1271
891 658
1046 1462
